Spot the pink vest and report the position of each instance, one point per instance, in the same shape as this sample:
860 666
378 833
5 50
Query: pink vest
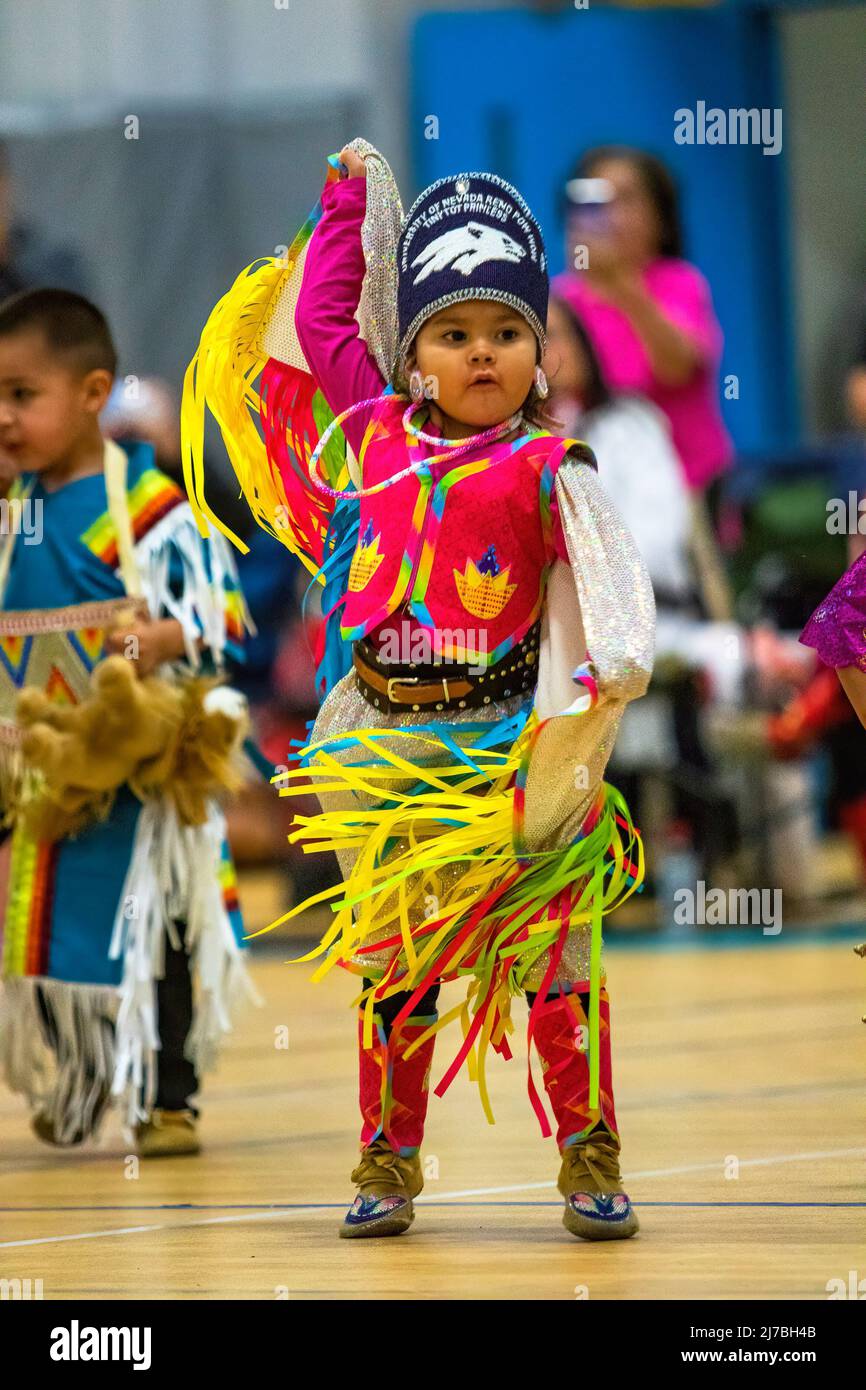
466 547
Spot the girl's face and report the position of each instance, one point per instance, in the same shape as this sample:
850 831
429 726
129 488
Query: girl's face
478 363
565 360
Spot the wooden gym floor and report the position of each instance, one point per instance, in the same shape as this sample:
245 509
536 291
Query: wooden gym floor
740 1076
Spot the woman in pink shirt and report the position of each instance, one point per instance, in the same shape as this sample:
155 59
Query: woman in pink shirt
648 312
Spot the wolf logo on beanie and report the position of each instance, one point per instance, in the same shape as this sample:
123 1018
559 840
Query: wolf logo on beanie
470 237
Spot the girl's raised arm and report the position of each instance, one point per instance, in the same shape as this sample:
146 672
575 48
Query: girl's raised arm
330 291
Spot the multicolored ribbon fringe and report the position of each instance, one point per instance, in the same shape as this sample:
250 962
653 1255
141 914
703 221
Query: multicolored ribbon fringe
500 916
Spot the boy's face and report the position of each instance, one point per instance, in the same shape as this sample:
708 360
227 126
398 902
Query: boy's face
46 404
477 360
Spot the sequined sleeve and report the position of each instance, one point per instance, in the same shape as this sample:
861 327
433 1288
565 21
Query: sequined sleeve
613 585
837 628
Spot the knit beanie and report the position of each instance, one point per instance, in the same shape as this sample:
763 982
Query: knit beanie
470 236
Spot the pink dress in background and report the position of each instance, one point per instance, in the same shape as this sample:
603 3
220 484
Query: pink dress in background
837 628
682 293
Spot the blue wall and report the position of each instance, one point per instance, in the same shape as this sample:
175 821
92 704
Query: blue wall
522 94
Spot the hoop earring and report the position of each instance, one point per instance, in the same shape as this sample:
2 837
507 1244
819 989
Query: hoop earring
541 385
416 386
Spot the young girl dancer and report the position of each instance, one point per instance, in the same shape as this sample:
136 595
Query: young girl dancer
483 584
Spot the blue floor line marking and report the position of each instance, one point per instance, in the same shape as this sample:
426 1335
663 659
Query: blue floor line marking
452 1202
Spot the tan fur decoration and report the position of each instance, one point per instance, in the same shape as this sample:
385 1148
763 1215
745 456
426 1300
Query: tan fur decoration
178 740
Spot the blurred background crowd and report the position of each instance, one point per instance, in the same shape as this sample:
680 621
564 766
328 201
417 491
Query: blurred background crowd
707 335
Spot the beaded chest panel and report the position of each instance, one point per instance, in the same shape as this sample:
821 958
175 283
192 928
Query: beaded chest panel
56 650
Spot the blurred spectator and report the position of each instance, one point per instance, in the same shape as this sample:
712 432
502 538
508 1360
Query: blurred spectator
855 386
631 440
640 470
648 312
26 258
855 401
147 408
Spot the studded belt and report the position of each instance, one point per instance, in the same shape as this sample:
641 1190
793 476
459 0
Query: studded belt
444 685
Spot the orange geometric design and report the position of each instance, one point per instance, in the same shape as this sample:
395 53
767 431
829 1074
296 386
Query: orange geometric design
91 641
13 648
58 689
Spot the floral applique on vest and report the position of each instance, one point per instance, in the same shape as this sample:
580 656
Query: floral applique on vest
483 588
366 560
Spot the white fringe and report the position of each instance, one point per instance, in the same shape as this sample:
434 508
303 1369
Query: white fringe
200 606
173 876
69 1078
106 1039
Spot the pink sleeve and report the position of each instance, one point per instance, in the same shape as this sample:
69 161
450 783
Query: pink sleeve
325 312
685 297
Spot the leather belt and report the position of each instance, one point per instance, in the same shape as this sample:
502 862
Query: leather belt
444 685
